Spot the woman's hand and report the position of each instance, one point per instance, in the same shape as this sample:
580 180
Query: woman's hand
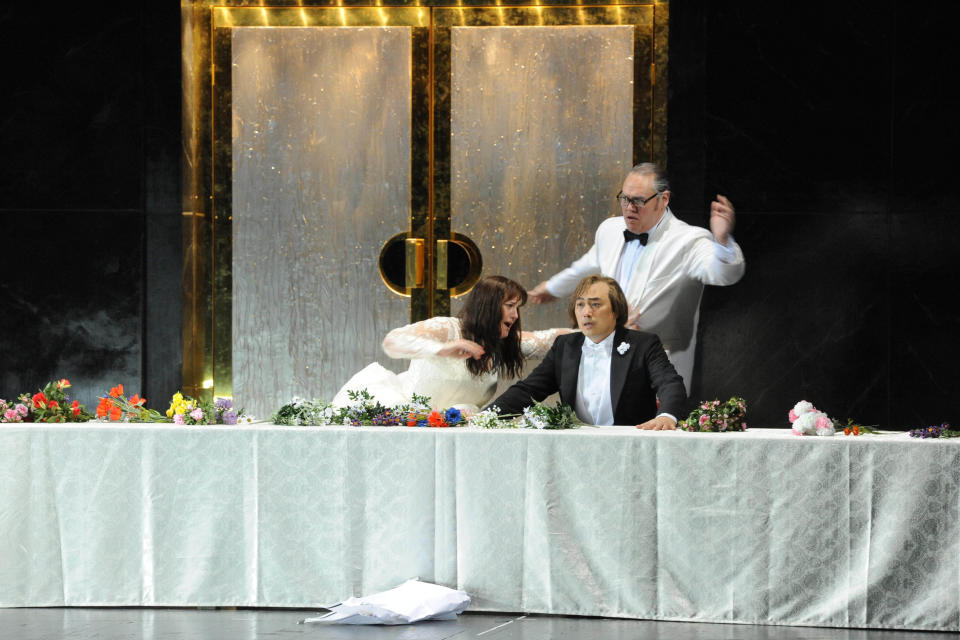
462 349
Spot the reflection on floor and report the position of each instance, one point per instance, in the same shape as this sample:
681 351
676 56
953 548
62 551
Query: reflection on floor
250 624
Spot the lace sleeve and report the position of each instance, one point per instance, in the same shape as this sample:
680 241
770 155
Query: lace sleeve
421 339
535 344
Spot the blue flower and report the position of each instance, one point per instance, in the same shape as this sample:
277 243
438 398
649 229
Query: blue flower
453 416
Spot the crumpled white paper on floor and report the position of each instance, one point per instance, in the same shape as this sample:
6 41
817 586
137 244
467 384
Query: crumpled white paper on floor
412 601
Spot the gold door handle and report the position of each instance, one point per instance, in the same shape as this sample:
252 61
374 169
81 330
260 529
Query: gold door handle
442 246
414 272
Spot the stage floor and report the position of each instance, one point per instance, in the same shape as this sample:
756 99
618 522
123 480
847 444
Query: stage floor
256 624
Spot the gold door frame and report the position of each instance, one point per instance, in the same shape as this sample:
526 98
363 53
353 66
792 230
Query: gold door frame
207 208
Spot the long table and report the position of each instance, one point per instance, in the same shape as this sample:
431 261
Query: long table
754 527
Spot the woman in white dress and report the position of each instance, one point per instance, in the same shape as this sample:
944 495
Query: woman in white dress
456 362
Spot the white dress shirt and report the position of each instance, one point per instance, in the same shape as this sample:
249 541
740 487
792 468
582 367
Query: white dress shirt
593 404
629 256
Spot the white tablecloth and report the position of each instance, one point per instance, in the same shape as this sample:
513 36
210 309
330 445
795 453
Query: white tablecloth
759 527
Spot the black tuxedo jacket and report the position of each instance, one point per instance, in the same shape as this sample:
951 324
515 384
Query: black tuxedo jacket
637 378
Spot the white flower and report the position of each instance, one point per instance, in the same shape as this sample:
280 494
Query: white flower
622 348
533 419
803 407
806 424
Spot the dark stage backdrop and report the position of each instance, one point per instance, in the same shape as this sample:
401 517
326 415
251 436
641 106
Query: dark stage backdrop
89 198
829 126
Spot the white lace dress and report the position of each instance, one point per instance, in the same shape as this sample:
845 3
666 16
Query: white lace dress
446 381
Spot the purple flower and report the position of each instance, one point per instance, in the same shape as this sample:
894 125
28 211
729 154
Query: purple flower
229 417
223 404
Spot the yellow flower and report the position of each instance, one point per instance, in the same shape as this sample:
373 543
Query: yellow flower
170 412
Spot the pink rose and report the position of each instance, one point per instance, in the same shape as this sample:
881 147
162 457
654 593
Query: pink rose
705 406
823 422
22 409
10 415
793 416
704 419
178 418
197 414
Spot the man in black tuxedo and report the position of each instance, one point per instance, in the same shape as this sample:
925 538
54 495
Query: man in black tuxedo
609 374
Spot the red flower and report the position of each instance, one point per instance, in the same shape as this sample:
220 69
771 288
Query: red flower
435 419
63 383
39 400
115 413
106 404
76 408
54 404
116 391
136 400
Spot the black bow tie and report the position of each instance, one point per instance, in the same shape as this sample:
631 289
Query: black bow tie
630 235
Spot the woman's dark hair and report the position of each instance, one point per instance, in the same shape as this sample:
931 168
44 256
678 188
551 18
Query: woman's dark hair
480 320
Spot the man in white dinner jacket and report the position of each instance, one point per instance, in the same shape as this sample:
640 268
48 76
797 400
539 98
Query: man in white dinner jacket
660 262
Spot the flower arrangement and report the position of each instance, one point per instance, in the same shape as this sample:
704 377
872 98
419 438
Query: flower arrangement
192 411
854 428
422 418
51 404
14 411
364 410
116 407
536 416
942 431
712 415
540 416
300 412
807 420
490 419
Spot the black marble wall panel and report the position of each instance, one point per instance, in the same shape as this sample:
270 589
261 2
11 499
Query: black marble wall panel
797 104
89 191
809 320
74 296
163 278
71 136
925 109
924 348
831 127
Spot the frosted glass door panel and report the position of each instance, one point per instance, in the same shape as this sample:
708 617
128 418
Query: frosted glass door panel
542 128
321 179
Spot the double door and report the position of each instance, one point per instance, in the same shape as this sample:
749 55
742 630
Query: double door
369 164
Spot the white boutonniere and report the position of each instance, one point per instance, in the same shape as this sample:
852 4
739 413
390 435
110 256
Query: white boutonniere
622 348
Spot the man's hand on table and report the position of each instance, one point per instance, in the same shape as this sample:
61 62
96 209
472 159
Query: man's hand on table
660 423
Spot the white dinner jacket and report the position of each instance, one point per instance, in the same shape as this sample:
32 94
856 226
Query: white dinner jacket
667 282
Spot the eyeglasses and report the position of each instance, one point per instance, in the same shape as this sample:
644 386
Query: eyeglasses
638 202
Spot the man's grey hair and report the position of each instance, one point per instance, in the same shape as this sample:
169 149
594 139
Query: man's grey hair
660 182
